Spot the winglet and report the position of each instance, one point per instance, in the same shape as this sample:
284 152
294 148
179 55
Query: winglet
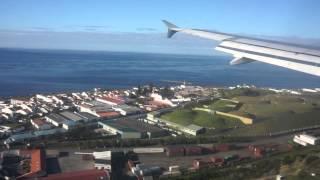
172 29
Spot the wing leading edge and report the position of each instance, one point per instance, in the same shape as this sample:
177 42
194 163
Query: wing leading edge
246 49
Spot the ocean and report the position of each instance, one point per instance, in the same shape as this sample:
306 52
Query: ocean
26 72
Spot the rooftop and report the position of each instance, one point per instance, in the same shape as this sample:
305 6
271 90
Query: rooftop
194 127
139 126
108 114
87 115
71 116
132 125
97 106
128 108
39 121
113 99
56 117
118 126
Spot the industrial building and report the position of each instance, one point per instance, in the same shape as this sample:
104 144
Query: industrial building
132 129
40 124
72 116
98 109
87 116
60 121
125 132
191 129
126 109
55 119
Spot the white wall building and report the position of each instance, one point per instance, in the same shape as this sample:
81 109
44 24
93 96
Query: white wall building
304 139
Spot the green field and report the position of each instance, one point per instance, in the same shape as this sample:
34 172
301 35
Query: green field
272 113
186 116
278 112
222 105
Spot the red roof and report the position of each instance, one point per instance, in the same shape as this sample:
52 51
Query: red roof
38 161
108 114
91 174
113 99
39 121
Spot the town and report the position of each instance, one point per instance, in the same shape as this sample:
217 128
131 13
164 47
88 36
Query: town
105 133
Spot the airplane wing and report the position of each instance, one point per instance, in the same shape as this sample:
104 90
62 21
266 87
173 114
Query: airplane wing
246 50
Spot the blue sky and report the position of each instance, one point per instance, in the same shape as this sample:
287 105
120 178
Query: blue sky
127 25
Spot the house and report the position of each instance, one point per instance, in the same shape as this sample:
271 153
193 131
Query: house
18 100
111 100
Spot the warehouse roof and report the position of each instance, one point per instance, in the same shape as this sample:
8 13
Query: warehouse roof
194 127
71 116
56 117
108 114
128 108
87 115
117 126
139 126
39 121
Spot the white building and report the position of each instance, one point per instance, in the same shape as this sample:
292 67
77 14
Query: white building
17 101
68 124
44 98
55 119
304 139
309 90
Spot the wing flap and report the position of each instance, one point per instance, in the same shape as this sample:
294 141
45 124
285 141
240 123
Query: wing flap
240 60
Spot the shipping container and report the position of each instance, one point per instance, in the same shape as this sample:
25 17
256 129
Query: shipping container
150 171
223 148
63 153
257 150
207 150
231 157
145 172
87 157
199 164
193 150
148 150
174 168
216 159
175 151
